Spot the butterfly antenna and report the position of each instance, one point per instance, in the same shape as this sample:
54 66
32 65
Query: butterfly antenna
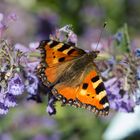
100 35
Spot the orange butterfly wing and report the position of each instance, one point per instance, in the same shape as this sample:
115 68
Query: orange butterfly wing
53 54
90 94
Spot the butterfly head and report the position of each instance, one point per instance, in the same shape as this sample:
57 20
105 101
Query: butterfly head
94 54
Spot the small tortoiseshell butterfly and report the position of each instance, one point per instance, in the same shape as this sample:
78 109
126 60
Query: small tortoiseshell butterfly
73 76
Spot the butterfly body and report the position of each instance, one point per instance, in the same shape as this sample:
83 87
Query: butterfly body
73 76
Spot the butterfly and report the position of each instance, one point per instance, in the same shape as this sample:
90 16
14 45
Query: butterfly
72 76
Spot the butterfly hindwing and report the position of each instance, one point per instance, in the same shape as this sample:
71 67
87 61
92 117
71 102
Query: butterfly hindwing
92 92
55 56
89 94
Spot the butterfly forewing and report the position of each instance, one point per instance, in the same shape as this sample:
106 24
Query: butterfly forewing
53 56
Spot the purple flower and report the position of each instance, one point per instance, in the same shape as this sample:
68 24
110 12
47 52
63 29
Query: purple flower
15 85
105 73
31 84
112 61
119 99
32 87
119 37
137 96
3 109
138 75
51 104
72 37
66 29
126 104
10 100
137 52
31 66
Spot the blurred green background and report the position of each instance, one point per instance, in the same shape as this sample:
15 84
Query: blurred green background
36 20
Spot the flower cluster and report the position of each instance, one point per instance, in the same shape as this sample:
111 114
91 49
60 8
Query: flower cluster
18 71
17 74
122 77
11 84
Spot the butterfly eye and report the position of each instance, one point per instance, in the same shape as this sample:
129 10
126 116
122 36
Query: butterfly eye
95 53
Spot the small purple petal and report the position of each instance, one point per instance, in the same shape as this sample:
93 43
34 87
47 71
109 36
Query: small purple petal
119 37
119 99
138 74
15 85
3 109
114 105
105 73
137 96
10 100
126 106
72 38
32 65
32 84
114 91
137 52
112 61
110 95
66 29
2 98
110 82
51 108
